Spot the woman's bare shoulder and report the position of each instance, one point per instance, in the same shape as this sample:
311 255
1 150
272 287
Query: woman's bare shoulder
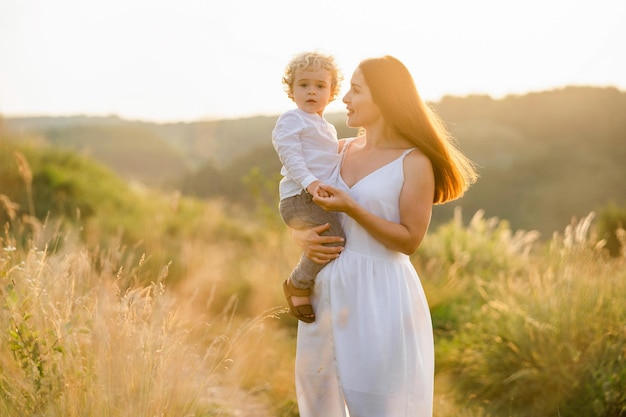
417 161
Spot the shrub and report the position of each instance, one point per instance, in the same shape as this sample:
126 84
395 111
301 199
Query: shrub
612 220
550 338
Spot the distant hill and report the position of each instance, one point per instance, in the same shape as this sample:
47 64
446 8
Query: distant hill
219 142
544 157
135 151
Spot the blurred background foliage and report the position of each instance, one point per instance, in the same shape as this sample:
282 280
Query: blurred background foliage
543 157
169 235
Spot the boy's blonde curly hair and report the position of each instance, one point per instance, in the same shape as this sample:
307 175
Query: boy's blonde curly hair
313 61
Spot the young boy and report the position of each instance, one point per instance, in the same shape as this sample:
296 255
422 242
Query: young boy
308 149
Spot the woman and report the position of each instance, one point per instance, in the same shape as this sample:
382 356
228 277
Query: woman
370 351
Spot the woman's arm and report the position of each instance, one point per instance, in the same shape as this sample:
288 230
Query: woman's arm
416 201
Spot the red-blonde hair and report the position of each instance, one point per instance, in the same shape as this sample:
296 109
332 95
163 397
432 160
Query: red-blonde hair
406 114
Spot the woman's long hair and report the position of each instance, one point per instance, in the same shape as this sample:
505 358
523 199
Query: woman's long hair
405 113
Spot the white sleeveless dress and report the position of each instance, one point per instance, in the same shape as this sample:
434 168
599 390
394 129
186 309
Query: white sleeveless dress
370 351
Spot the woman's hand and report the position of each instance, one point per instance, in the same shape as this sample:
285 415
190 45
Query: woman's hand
332 199
312 244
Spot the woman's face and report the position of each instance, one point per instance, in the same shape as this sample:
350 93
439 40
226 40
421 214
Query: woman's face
362 111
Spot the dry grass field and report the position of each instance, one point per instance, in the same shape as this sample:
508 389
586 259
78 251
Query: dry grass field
523 327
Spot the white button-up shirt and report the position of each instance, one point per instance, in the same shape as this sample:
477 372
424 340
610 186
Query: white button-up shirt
308 149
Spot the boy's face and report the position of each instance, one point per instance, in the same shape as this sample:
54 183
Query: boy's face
311 90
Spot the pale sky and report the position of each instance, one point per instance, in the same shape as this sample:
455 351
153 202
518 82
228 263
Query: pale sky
186 60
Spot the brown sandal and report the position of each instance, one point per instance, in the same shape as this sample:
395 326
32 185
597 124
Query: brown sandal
302 312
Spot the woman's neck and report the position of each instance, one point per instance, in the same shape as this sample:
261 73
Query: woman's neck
382 137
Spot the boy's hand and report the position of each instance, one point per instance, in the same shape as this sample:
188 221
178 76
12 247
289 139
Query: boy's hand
311 188
319 191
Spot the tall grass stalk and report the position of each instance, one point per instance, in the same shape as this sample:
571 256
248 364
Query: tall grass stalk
75 344
27 175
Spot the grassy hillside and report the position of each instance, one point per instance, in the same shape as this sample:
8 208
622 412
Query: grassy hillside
544 157
63 190
156 304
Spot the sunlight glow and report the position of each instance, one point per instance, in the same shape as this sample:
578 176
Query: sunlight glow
196 59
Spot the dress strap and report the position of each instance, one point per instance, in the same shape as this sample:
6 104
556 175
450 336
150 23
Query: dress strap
408 151
347 144
344 150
